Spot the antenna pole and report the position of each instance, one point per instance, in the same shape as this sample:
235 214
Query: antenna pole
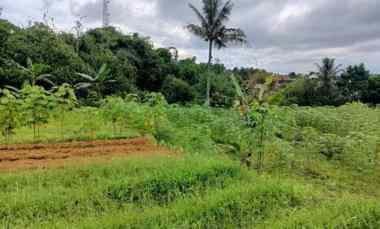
106 13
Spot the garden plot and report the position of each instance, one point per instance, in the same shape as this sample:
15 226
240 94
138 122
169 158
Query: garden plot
37 156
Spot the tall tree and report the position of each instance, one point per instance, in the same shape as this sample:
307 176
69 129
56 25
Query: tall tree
354 82
212 29
327 74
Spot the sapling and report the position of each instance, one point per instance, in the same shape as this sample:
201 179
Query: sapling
36 107
114 110
9 113
255 115
65 100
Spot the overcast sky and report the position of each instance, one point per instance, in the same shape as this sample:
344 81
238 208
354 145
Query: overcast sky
284 35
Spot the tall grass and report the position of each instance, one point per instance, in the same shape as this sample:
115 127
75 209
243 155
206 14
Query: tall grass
95 190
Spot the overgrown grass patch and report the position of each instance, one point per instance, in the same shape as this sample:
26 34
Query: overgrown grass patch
95 190
242 204
347 212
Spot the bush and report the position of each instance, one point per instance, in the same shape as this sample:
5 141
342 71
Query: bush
177 90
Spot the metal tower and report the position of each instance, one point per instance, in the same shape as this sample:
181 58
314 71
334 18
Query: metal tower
106 13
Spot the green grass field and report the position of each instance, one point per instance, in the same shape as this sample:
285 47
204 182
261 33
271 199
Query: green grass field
321 170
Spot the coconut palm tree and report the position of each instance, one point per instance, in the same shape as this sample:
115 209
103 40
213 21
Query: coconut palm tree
213 30
327 74
98 81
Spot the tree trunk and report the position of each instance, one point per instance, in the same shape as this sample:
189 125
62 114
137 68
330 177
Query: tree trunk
207 103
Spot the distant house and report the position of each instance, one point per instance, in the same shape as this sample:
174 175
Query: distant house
281 80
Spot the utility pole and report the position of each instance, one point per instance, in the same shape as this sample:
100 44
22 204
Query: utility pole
106 13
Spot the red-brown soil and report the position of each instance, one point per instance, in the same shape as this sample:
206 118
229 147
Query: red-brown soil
40 156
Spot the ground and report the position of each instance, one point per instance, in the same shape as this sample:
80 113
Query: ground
37 156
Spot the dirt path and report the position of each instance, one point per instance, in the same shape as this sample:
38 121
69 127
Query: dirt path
22 157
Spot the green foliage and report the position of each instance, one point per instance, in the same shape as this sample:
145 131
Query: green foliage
65 100
114 110
213 29
329 87
177 90
99 81
372 95
36 107
9 113
168 184
354 82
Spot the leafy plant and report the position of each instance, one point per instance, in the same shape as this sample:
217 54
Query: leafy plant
98 81
36 73
256 115
114 110
65 100
9 113
36 107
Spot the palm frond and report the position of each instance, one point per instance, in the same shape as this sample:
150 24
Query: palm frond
224 14
45 78
80 86
11 88
232 35
103 73
207 9
219 43
197 30
86 77
199 15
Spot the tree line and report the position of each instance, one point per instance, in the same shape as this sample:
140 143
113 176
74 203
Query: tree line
332 85
104 61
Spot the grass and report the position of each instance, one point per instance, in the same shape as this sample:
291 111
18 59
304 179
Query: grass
81 124
43 196
321 170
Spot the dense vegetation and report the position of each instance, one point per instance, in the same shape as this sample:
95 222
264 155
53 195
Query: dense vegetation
315 164
126 64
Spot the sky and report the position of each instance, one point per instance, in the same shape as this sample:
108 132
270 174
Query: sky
284 35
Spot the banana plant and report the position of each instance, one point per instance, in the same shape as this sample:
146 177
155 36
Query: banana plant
255 111
36 77
36 73
97 82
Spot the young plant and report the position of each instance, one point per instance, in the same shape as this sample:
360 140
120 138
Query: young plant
36 73
114 110
97 82
65 100
36 107
156 120
9 113
255 114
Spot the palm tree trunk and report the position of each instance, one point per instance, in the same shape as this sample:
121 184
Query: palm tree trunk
209 73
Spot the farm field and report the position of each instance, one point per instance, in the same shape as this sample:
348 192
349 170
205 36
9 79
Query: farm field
188 175
37 156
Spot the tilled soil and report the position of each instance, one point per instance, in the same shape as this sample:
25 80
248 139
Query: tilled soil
40 156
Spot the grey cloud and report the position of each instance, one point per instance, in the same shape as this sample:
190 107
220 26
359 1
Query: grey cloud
285 35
